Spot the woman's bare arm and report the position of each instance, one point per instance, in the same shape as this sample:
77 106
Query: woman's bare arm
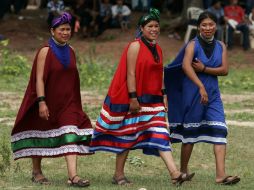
132 55
40 89
190 72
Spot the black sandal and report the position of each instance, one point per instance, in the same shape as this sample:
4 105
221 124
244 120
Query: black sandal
229 180
189 176
179 180
42 181
121 181
79 183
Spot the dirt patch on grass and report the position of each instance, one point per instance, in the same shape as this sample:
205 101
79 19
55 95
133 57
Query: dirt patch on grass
233 98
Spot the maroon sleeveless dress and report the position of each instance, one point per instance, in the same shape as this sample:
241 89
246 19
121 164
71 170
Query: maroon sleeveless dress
68 130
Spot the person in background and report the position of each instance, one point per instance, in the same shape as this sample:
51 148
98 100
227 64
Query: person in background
218 11
251 26
120 15
196 111
207 3
133 113
5 4
105 16
249 6
50 121
235 18
55 8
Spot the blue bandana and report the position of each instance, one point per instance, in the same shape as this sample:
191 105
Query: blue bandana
61 52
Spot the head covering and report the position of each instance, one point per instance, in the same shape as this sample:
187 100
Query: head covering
153 14
62 19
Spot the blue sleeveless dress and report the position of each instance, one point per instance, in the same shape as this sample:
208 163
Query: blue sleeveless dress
189 120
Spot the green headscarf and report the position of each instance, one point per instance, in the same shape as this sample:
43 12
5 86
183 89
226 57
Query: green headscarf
154 14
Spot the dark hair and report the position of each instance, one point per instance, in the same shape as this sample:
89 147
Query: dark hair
204 15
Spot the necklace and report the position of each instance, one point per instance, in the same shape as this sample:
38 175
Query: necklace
57 43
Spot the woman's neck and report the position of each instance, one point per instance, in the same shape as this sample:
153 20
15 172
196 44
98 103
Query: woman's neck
207 40
58 43
149 41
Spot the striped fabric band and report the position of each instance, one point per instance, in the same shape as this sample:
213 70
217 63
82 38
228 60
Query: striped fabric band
150 140
214 132
52 152
51 133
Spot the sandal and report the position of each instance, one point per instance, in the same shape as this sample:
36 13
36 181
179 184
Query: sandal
189 176
180 179
42 181
79 183
121 181
229 180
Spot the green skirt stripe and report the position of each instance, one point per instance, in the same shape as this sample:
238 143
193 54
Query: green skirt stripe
50 142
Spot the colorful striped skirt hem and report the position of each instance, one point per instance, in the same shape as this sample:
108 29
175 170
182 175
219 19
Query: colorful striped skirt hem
151 140
51 143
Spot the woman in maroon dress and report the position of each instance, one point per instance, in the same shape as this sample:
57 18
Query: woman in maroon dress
51 122
133 114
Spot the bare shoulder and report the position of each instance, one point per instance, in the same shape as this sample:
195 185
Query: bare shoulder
222 44
43 52
190 45
134 46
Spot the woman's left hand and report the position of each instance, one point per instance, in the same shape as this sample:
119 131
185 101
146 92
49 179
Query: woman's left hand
198 66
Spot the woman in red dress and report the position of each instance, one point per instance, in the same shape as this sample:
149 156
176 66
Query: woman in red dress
133 113
51 122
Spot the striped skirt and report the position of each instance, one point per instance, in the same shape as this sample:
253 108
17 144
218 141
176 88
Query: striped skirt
118 132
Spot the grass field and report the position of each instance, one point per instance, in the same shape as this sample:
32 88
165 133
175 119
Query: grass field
145 171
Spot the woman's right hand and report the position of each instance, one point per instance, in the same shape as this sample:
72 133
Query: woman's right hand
43 110
134 105
204 96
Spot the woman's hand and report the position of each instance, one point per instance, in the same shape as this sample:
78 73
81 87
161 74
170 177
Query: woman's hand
43 110
204 96
134 105
198 66
165 101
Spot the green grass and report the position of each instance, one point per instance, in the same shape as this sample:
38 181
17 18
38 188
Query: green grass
238 81
92 111
151 173
245 104
244 116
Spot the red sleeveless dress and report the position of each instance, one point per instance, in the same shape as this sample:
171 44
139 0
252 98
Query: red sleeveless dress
116 128
68 130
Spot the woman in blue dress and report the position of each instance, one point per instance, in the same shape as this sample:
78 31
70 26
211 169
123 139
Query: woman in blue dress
196 111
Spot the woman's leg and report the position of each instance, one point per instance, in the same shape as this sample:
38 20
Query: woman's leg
186 151
220 154
169 161
74 179
221 177
36 165
120 163
37 175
